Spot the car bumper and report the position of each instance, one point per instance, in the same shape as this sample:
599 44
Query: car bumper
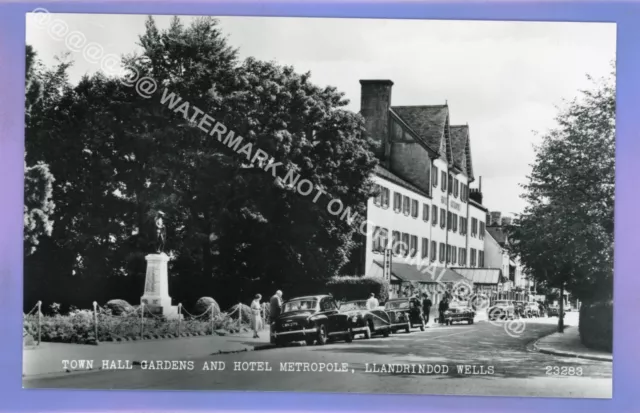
295 335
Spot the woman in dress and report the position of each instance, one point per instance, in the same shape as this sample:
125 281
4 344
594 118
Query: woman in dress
256 319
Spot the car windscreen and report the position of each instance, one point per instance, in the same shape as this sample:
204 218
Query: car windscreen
397 305
353 305
300 305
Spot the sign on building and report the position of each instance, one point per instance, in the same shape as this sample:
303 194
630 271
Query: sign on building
386 265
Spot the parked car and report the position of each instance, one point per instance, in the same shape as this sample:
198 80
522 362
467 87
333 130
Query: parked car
459 311
311 319
532 310
405 314
501 310
554 311
520 308
364 321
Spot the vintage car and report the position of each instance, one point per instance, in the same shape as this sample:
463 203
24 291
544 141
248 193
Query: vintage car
459 311
554 311
532 310
311 319
501 310
404 314
520 308
364 321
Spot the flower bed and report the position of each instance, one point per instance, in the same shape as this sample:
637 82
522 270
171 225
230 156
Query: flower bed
78 326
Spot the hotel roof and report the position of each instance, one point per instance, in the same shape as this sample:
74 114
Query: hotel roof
390 176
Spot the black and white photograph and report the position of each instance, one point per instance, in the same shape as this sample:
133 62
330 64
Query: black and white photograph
330 205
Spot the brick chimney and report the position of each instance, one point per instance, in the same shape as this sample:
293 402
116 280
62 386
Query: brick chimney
375 101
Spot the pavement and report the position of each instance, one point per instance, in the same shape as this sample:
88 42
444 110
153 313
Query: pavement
477 359
568 344
48 358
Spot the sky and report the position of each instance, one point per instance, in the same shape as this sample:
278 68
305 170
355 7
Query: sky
506 80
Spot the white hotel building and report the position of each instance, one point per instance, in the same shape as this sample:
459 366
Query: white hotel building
425 201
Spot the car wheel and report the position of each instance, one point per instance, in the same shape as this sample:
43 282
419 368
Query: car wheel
367 332
309 341
407 329
322 336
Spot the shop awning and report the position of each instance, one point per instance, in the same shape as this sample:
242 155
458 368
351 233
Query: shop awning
411 272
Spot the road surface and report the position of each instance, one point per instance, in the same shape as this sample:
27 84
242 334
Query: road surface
504 366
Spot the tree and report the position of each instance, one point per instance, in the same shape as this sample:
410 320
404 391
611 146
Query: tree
565 236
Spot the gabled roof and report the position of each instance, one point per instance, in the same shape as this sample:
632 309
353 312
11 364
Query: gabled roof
411 272
498 234
428 122
481 275
390 176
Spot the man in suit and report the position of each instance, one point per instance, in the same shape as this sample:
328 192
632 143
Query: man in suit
275 306
426 307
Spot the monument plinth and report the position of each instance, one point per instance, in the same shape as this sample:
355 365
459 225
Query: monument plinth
156 287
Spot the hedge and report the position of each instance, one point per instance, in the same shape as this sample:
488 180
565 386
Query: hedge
358 288
596 325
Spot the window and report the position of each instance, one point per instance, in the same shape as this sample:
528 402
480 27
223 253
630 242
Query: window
377 200
425 212
425 248
482 230
443 179
450 186
443 218
414 245
434 215
473 257
454 254
406 205
414 208
455 188
397 202
380 239
433 250
442 252
481 259
474 227
385 197
462 192
449 219
461 225
448 253
434 176
455 223
405 244
396 242
462 260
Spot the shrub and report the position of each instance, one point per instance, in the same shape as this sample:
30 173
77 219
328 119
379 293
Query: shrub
596 325
241 311
358 288
119 307
204 304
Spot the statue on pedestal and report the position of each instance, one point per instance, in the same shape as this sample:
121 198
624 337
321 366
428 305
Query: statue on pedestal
161 232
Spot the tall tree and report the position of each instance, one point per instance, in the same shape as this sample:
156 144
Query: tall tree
565 236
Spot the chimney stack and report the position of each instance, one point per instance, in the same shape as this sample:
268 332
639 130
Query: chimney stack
375 101
480 184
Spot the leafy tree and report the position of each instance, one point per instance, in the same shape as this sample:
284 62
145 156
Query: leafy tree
565 236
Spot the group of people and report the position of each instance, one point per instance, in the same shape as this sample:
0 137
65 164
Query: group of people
275 307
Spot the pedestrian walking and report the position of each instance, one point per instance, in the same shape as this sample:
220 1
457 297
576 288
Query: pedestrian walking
444 306
426 307
275 306
256 319
372 302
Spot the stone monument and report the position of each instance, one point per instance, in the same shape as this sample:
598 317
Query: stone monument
156 287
